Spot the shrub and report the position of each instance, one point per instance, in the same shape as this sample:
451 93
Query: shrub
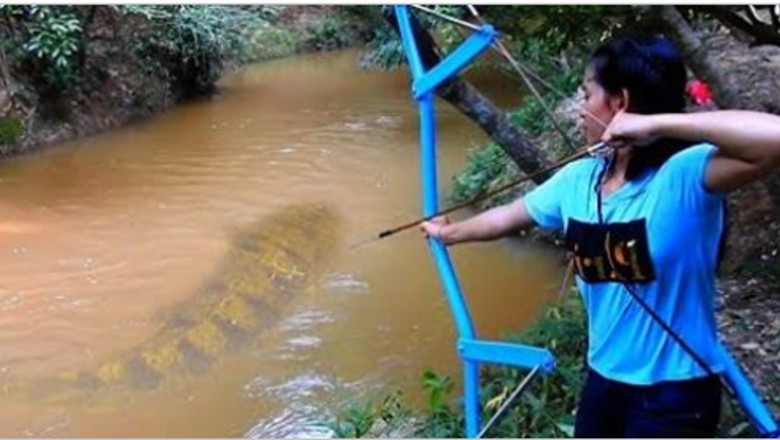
10 130
193 42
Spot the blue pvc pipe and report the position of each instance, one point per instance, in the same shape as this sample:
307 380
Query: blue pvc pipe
428 170
430 206
439 252
471 349
471 395
447 275
515 355
407 39
748 398
474 45
428 155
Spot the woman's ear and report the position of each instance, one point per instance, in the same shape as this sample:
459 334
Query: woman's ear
619 102
623 103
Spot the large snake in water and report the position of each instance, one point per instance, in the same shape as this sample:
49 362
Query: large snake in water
269 262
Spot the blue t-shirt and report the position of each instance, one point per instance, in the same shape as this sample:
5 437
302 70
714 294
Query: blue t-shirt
661 232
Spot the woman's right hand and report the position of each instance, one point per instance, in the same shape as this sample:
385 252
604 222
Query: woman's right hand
631 129
435 227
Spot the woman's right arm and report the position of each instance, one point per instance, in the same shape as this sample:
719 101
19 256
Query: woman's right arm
489 225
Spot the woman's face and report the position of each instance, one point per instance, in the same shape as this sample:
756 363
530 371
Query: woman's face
597 110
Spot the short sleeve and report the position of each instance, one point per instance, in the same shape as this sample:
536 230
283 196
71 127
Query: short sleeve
687 171
544 203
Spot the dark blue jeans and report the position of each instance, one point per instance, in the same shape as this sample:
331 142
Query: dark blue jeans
688 408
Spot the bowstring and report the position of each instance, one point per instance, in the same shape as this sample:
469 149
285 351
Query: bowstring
524 73
522 70
594 150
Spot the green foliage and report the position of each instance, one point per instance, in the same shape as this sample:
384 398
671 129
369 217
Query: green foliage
342 27
47 40
384 50
557 27
10 130
546 408
393 412
327 35
531 116
54 37
271 41
439 387
440 420
360 419
486 168
188 43
554 40
267 13
489 167
192 42
448 35
355 421
547 31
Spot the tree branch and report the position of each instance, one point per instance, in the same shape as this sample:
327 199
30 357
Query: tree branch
753 16
6 76
762 33
469 101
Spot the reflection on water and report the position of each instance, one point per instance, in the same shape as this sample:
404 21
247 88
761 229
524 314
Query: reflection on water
102 240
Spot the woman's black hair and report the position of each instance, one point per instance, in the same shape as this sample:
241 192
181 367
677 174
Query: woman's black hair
653 72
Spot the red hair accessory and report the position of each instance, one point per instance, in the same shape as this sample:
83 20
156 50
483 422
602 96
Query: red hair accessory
699 92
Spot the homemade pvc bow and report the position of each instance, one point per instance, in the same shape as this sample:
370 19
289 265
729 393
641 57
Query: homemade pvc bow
472 350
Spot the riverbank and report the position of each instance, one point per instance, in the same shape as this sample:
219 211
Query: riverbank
547 408
126 64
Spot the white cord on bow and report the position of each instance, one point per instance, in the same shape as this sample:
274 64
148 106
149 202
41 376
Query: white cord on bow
522 70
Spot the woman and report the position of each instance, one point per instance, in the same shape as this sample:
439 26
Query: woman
645 224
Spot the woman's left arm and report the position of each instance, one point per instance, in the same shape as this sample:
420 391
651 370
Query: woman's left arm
748 142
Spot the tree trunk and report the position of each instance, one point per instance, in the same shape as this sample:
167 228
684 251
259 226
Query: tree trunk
754 231
477 107
88 14
703 65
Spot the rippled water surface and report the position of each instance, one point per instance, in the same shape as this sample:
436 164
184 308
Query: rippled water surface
102 239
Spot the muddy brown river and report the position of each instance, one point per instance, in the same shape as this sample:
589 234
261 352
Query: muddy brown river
103 239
